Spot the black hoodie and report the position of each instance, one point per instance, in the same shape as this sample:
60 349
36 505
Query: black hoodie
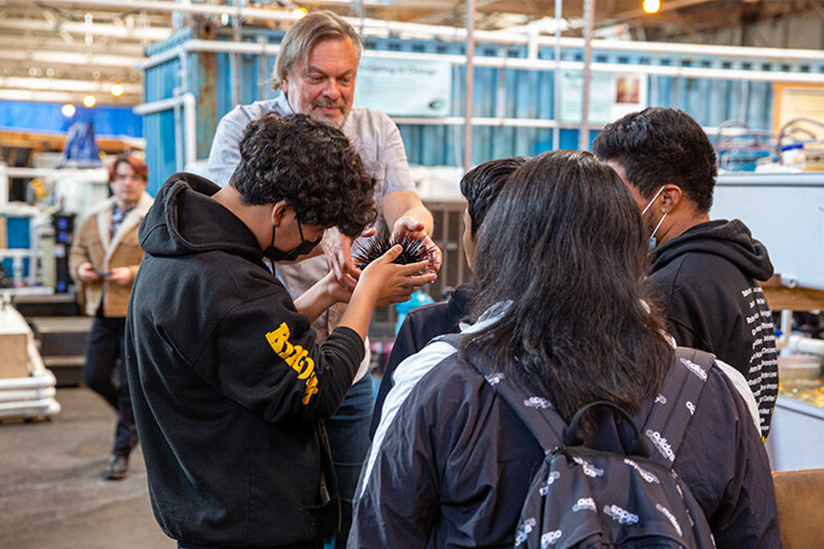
708 281
228 385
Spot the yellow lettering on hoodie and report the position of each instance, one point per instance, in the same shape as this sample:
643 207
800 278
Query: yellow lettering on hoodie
296 357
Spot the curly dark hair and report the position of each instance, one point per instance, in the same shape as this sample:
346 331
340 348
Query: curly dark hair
657 146
309 164
481 185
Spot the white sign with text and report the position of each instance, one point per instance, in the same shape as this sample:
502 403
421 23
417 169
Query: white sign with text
405 87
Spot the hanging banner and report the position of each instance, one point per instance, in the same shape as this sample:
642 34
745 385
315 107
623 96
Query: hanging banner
611 96
405 87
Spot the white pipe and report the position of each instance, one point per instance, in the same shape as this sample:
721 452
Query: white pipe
41 380
786 327
470 82
481 121
31 394
583 135
799 344
159 6
190 127
178 131
30 409
556 81
157 106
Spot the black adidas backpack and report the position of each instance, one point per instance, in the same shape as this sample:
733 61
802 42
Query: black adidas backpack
586 498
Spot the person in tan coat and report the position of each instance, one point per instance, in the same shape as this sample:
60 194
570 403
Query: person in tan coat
104 260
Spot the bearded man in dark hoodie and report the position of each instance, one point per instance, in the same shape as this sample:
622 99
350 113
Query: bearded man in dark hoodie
228 384
708 272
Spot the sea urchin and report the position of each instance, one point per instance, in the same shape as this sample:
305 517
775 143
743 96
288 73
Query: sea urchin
415 249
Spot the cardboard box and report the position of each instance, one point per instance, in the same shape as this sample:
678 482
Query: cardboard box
14 340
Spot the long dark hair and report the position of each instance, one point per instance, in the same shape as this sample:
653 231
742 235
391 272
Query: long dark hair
565 244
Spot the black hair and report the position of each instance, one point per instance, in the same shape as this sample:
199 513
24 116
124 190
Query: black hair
565 245
309 164
481 185
658 146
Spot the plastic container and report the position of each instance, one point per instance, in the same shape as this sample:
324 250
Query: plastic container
419 298
793 156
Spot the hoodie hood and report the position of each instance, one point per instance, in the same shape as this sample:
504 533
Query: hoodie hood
728 239
184 220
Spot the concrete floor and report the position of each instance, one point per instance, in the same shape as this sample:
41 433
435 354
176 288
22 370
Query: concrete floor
52 494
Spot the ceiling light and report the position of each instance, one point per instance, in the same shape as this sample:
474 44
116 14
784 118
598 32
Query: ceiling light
299 13
117 90
652 6
68 110
89 101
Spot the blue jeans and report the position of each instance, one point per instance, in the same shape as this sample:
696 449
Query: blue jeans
105 346
348 432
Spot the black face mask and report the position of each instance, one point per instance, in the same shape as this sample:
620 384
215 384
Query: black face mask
304 248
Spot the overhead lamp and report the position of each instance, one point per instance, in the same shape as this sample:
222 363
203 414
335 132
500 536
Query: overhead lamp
117 90
299 13
68 110
652 6
89 101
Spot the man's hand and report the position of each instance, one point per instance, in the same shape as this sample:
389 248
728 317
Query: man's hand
408 226
85 271
337 291
391 283
338 250
122 276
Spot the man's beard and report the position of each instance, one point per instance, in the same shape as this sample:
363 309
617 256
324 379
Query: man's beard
338 121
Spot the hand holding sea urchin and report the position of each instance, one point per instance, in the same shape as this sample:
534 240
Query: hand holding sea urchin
415 249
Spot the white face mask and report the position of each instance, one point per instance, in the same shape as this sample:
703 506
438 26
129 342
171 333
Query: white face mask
653 243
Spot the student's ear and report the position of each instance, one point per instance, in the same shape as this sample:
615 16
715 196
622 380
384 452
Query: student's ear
672 196
279 212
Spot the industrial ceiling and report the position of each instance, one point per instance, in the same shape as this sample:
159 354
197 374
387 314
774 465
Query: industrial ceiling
61 50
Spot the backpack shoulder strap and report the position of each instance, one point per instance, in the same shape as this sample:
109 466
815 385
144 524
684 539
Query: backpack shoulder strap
671 413
537 413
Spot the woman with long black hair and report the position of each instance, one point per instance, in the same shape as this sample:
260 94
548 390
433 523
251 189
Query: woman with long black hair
559 309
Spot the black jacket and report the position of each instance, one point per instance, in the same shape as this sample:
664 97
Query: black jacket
418 329
228 385
456 463
707 282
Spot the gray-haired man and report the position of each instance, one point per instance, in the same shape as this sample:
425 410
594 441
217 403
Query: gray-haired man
316 71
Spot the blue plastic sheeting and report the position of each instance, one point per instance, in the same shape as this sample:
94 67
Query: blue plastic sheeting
46 117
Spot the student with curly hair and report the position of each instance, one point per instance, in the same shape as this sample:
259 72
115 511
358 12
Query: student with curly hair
315 74
228 382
